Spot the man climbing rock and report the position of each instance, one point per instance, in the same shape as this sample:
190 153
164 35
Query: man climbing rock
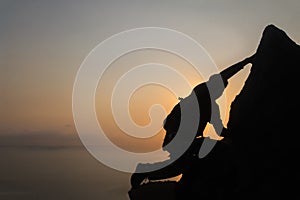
207 93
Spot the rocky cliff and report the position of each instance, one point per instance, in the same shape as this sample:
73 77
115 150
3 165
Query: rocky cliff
263 129
263 120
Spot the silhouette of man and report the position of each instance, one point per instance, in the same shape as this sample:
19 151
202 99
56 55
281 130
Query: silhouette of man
207 93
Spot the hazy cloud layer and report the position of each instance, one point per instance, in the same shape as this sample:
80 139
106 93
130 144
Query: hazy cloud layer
40 140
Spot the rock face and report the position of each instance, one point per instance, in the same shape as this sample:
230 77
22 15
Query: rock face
155 191
263 129
263 120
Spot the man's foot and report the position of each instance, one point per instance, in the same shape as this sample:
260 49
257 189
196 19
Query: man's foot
226 140
136 179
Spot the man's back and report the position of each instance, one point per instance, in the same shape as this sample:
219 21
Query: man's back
172 121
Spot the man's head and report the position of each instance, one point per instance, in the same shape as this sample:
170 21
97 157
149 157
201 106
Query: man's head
216 86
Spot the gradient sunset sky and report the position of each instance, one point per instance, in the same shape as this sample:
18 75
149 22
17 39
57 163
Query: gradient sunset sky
43 44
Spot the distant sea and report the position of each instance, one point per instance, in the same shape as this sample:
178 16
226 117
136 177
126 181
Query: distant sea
38 173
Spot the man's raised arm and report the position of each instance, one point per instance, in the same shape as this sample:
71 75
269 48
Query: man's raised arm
232 70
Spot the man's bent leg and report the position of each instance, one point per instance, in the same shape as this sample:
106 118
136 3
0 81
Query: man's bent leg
172 170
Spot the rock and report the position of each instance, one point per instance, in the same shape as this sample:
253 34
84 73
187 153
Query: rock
262 160
263 120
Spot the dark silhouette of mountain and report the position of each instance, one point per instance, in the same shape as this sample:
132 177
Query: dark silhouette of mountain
261 161
155 191
263 121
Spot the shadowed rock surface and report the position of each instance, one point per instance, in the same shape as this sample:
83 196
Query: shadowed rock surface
263 121
155 190
262 161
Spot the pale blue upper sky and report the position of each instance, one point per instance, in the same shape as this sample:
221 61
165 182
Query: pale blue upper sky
44 42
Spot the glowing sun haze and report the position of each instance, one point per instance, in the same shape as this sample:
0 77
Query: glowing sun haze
43 44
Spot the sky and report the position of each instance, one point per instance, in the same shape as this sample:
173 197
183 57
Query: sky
43 44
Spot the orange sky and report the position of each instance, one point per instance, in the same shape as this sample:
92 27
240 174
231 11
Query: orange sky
148 95
44 43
